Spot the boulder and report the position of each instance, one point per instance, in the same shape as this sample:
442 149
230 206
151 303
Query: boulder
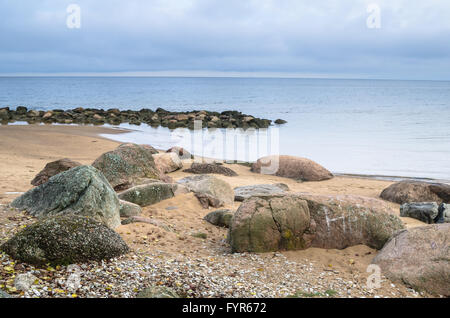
419 257
128 163
220 218
297 168
444 211
54 168
242 193
167 162
157 292
206 168
426 211
128 209
65 239
23 282
148 194
81 190
211 185
415 191
181 152
348 220
271 223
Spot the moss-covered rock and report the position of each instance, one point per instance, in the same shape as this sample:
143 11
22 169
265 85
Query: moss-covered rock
81 190
128 163
128 209
148 194
271 223
210 185
65 239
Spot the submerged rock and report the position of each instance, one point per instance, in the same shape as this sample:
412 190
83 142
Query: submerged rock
242 193
415 191
425 211
53 168
206 168
297 168
81 190
419 257
65 239
128 163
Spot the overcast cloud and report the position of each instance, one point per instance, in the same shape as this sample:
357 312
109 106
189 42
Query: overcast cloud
325 38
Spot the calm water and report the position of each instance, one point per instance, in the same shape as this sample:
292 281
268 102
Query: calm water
393 128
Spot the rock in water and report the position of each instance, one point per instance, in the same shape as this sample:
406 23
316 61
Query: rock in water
205 168
271 223
128 163
128 209
157 292
419 257
414 191
348 220
181 152
211 185
242 193
148 194
82 190
297 168
220 218
65 239
167 162
426 211
53 168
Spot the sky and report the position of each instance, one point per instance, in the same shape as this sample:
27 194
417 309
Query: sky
408 39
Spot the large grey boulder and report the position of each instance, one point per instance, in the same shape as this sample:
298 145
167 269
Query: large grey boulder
426 212
65 239
128 209
415 191
82 190
148 194
242 193
419 257
53 168
271 223
297 168
127 164
210 185
347 220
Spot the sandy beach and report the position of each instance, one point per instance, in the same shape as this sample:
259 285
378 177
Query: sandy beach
24 151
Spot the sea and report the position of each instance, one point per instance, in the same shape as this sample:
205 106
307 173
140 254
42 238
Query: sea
380 128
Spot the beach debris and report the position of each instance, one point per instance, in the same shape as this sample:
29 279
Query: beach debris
242 193
417 191
127 164
210 185
297 168
54 168
82 190
65 239
426 212
419 257
167 162
220 218
207 168
157 292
